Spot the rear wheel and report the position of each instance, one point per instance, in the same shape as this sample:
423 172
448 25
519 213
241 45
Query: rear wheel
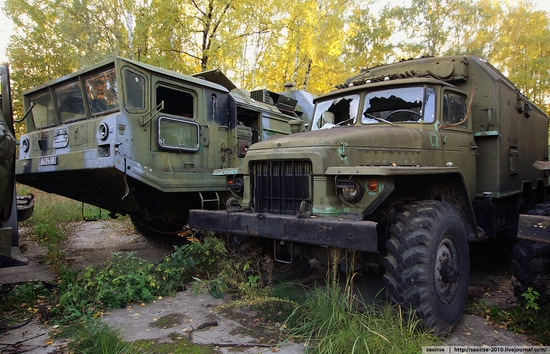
531 263
427 264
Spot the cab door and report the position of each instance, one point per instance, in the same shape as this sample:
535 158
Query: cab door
7 148
456 134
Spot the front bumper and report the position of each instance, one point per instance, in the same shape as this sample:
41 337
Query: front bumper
327 231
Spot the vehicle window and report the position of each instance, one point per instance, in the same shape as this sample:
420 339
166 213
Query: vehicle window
336 112
43 113
70 104
135 90
177 134
403 104
454 109
101 91
176 102
429 105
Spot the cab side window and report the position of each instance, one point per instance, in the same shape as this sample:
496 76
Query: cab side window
454 109
176 131
135 90
176 102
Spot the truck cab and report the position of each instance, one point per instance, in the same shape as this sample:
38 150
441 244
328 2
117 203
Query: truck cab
139 140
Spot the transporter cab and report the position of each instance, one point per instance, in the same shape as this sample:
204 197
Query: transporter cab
405 164
136 139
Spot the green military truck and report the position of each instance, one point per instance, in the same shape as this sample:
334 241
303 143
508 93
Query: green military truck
405 164
11 211
138 140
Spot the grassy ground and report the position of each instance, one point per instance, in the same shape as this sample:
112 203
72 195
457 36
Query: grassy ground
328 319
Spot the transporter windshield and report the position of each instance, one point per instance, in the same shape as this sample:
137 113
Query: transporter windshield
96 95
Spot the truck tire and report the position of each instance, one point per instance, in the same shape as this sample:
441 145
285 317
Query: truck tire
427 263
531 264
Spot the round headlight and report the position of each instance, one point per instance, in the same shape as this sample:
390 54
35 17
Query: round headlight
350 190
236 185
25 145
103 131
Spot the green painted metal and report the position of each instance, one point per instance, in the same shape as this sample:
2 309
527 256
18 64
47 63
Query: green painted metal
7 149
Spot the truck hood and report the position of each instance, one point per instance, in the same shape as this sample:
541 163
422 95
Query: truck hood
390 137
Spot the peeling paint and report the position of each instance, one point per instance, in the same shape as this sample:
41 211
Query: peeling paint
342 152
434 140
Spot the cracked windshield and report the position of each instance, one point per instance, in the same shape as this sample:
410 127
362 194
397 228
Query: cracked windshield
410 104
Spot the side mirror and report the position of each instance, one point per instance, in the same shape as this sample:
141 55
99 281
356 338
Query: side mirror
296 125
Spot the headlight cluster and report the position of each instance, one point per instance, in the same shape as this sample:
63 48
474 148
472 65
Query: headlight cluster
236 185
25 145
103 131
352 189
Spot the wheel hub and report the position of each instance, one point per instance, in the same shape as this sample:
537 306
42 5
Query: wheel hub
446 271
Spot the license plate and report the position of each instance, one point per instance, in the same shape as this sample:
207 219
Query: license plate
47 160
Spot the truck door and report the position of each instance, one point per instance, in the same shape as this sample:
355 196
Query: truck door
457 137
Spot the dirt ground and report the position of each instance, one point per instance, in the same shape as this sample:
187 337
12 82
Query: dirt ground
199 317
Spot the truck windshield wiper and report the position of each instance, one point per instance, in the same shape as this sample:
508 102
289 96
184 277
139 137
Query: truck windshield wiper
379 119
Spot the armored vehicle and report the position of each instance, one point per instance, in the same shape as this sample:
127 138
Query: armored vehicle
136 139
9 238
405 164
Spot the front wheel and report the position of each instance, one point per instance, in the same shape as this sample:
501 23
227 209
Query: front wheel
427 263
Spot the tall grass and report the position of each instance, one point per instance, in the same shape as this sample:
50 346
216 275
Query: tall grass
327 323
96 337
334 319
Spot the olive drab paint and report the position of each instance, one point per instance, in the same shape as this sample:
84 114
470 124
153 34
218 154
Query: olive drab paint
405 163
7 148
136 139
10 212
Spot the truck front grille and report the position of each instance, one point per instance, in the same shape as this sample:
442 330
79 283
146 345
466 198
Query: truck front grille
278 187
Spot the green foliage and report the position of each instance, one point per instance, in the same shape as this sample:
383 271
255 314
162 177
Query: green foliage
329 322
265 44
531 296
206 254
25 293
528 316
121 281
22 301
313 44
